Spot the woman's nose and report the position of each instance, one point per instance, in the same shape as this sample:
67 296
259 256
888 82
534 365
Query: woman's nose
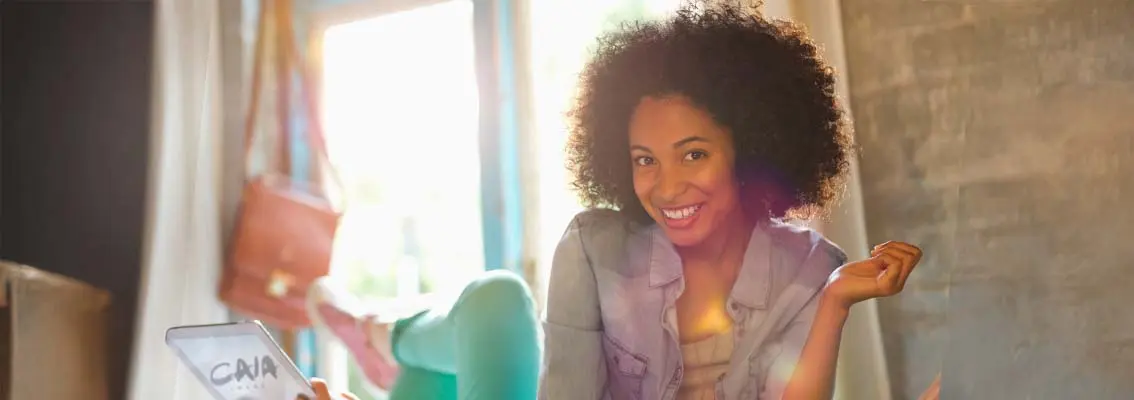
671 184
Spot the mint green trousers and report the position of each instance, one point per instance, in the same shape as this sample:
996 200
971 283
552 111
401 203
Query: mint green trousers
485 345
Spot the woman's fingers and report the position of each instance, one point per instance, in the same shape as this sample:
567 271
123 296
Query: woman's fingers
912 256
909 260
322 392
909 255
903 248
890 281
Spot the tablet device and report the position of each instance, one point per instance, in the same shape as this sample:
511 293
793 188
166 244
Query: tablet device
238 361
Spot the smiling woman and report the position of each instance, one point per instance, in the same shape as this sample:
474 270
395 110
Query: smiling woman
693 138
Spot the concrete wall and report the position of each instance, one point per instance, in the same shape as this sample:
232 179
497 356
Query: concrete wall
999 135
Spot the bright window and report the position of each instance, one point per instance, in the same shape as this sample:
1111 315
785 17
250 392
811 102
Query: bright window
401 111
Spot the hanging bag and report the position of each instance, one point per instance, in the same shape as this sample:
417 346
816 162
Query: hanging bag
284 231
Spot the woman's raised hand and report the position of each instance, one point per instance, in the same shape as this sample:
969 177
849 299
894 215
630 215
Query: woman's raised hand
883 274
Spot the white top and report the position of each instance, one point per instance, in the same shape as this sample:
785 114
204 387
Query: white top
706 361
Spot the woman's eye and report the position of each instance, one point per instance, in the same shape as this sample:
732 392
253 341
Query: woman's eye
695 155
643 161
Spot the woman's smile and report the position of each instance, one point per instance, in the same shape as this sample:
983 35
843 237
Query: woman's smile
681 217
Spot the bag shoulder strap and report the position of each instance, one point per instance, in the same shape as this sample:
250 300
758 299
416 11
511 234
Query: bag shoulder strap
276 24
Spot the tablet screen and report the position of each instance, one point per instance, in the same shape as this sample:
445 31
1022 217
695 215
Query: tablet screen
240 367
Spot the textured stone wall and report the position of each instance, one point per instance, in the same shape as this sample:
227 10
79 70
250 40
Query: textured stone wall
999 135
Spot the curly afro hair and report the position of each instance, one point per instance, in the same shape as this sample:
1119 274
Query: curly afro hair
763 80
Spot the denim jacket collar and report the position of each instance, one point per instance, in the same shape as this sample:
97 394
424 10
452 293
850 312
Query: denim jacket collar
751 287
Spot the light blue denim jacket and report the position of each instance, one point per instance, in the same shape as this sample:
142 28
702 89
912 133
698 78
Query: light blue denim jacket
611 325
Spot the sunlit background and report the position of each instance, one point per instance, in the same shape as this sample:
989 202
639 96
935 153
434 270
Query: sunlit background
401 123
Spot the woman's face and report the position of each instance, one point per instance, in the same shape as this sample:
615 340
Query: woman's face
683 165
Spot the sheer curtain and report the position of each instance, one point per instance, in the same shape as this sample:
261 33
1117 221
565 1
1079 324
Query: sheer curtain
862 371
183 248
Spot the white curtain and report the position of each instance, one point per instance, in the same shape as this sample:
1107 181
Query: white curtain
182 248
862 371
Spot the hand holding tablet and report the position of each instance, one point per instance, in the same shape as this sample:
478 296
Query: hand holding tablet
239 361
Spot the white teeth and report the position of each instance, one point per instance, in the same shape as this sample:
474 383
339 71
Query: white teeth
680 213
